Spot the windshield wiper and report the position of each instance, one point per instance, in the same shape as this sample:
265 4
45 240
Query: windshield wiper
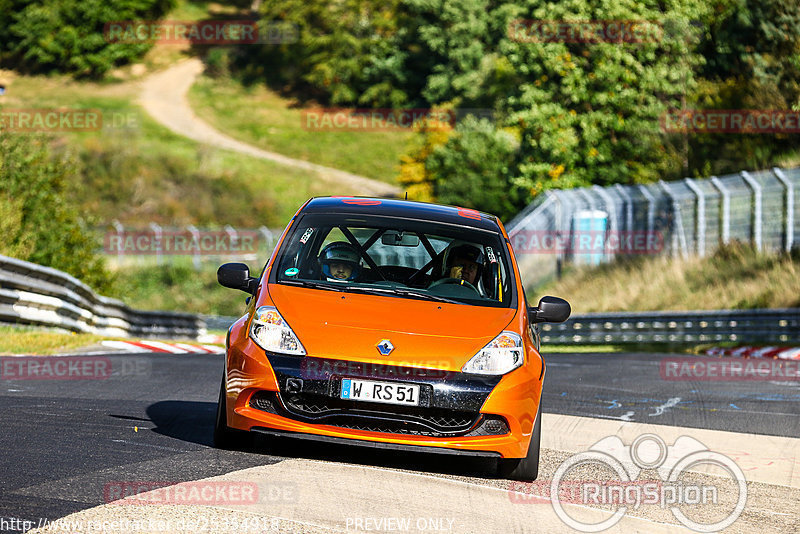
312 284
401 291
427 296
370 289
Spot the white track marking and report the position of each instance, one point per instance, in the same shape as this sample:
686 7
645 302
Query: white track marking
671 403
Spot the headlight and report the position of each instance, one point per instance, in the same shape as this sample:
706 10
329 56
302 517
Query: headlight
271 333
501 355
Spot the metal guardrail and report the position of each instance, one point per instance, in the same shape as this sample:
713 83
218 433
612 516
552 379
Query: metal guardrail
218 322
36 295
741 326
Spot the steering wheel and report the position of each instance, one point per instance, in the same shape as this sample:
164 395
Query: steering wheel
458 281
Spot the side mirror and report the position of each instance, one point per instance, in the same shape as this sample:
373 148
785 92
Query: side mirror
550 310
237 276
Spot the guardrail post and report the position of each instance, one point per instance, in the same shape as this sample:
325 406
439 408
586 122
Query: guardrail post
157 241
678 234
651 208
120 231
233 236
700 219
628 206
195 246
756 187
612 215
268 238
789 235
725 209
588 197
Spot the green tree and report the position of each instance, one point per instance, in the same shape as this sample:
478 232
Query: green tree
472 169
67 35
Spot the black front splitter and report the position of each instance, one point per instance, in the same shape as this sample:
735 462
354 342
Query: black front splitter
374 444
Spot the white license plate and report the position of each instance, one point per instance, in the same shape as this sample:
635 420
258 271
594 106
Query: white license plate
386 392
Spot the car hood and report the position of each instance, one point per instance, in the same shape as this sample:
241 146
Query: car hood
349 326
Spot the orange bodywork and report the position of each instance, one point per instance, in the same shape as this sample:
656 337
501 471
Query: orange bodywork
345 327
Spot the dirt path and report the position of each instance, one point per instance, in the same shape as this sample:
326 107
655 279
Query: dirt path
164 98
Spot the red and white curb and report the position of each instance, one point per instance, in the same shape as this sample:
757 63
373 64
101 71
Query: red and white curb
779 353
160 346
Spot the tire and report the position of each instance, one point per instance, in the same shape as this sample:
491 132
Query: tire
224 436
524 469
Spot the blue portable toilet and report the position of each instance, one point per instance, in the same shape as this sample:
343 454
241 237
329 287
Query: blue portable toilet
588 239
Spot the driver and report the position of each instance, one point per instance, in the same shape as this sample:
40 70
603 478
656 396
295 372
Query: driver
464 262
340 262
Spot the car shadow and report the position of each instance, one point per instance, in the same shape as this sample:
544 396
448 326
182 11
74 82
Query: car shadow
184 420
194 422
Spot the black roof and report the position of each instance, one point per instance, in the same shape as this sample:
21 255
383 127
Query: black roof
402 208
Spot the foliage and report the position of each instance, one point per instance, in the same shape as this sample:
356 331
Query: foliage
67 35
752 61
472 168
583 113
37 221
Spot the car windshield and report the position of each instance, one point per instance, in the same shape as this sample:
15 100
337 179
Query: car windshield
397 257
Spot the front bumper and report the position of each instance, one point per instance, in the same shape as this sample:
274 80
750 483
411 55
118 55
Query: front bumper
453 416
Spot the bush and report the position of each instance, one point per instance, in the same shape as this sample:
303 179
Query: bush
37 223
473 169
67 35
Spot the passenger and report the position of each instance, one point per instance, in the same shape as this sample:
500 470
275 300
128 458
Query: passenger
340 262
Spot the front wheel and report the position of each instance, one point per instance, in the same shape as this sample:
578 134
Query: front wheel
524 469
226 437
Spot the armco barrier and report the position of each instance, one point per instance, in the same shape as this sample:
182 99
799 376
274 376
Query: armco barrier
36 295
741 326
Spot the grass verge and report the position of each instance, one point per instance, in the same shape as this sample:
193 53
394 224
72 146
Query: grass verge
178 288
262 118
30 340
734 277
137 171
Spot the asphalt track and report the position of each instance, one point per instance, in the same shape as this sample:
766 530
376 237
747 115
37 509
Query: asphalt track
65 441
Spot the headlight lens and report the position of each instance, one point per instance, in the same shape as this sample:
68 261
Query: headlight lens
270 332
501 355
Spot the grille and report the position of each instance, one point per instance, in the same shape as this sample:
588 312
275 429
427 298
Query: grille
371 417
491 425
264 401
436 419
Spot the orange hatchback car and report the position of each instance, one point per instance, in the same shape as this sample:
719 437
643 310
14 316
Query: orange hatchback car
389 323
